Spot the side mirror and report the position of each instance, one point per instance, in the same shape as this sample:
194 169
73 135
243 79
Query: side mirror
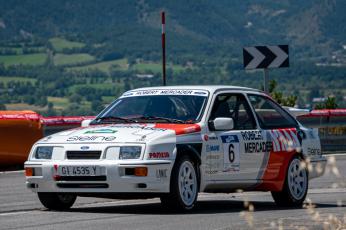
86 123
223 123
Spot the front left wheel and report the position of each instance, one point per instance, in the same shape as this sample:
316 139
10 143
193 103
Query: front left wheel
57 201
184 185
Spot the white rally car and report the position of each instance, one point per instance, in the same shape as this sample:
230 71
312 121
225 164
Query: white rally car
173 142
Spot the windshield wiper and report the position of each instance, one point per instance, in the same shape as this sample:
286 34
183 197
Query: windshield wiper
161 118
114 118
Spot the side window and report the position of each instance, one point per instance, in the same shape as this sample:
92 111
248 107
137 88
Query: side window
234 106
269 114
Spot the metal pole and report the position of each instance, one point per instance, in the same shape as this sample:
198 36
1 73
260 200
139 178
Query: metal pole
163 49
266 79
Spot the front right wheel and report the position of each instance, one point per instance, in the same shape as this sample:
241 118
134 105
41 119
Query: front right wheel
57 201
184 185
296 185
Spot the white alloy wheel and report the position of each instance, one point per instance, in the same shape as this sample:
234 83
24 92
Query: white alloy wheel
187 183
297 179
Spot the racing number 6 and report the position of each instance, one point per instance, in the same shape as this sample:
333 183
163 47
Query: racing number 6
231 153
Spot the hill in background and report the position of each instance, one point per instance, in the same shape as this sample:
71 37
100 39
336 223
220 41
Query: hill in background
65 48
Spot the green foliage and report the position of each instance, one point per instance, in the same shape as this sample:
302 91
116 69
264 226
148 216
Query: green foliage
25 59
290 100
329 103
59 44
72 59
2 106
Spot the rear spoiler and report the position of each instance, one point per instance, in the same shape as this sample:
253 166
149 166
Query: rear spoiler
296 112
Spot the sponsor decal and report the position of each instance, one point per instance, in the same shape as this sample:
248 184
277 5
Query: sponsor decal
91 138
230 139
251 135
284 139
231 148
258 147
161 173
213 157
212 148
158 155
101 131
210 137
84 147
211 172
314 152
165 92
138 126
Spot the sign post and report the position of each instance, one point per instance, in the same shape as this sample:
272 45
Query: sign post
266 80
265 57
163 37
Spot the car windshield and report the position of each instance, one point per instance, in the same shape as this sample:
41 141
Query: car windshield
175 106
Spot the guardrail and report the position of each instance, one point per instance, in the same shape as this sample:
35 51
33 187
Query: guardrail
32 126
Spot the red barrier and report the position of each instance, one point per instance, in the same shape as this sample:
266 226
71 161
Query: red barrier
64 120
326 113
19 130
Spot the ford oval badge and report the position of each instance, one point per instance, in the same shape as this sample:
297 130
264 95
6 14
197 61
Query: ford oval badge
84 147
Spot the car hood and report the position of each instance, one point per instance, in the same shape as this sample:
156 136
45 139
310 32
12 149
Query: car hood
120 133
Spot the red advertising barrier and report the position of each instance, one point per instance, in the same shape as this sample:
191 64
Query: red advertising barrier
19 130
64 120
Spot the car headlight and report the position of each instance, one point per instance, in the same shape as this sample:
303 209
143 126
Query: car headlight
130 152
44 152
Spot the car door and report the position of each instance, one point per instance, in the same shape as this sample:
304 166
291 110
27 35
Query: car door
237 154
281 130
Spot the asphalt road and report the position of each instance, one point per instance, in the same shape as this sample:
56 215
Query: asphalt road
325 209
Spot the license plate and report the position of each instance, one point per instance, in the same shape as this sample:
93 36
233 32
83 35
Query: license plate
79 170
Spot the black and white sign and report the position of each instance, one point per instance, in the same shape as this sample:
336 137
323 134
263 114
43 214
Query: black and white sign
262 57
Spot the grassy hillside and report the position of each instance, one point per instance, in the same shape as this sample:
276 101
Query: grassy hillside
23 59
72 59
74 56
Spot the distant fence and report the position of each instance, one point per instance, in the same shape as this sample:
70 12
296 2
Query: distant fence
59 123
331 125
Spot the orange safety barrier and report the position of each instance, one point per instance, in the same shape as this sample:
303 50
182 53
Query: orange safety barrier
19 130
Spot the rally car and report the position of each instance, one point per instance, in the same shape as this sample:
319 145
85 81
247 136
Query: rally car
174 142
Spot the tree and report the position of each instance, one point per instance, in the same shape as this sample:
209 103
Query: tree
75 98
2 106
278 96
329 103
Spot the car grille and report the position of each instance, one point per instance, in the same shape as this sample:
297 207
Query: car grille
82 185
83 155
82 178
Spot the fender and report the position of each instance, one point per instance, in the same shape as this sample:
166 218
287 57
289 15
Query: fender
194 148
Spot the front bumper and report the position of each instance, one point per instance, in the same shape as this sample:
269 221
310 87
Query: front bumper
114 178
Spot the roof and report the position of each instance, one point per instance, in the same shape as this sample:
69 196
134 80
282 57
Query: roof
210 88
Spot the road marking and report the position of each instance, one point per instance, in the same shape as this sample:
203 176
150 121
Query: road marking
335 154
13 213
11 172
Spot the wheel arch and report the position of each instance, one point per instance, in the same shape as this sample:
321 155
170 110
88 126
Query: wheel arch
194 151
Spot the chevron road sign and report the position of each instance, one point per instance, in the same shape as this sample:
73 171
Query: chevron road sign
264 57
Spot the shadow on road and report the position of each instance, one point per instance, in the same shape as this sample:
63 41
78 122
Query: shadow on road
202 207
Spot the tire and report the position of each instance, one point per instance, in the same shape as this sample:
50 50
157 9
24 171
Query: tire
295 187
57 201
184 186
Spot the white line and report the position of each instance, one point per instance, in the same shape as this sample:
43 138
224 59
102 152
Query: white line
335 154
11 172
12 213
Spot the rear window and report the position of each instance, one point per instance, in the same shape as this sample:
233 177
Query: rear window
270 115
